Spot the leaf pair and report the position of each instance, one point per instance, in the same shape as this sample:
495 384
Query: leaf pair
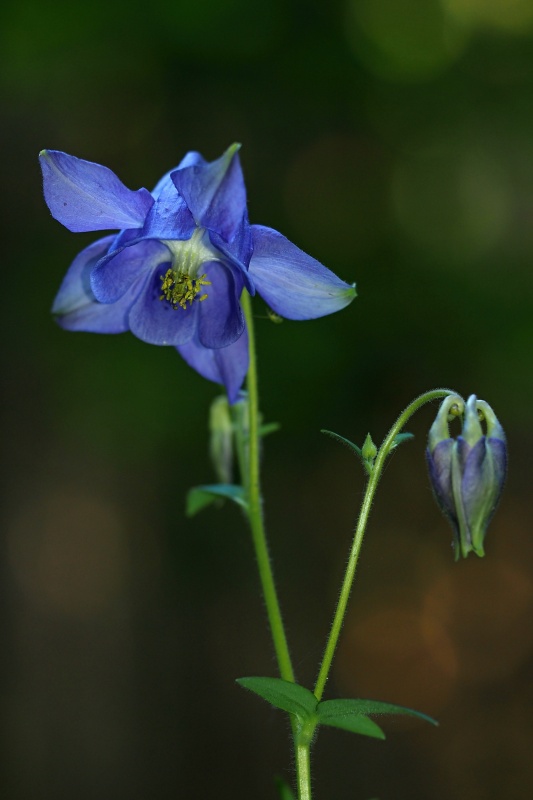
349 715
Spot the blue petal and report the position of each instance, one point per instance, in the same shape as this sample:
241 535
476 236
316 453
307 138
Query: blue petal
479 488
85 196
125 237
227 365
169 217
498 450
440 465
155 321
215 193
221 318
75 305
115 272
239 251
191 159
75 289
292 283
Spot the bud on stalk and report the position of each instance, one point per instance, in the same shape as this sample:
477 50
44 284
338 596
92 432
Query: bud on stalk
467 473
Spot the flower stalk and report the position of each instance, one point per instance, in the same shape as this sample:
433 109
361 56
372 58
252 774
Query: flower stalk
373 480
255 511
301 742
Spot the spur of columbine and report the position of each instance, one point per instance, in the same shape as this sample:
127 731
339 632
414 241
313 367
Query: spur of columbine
184 253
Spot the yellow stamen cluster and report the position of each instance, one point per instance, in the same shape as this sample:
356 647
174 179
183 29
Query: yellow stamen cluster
179 288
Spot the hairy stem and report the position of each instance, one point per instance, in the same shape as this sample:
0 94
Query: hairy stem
359 533
255 512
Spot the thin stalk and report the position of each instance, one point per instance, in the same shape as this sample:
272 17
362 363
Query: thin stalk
359 533
303 769
255 514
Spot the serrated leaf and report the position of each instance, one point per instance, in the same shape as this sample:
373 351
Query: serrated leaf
202 496
285 791
342 440
355 707
400 438
282 694
355 723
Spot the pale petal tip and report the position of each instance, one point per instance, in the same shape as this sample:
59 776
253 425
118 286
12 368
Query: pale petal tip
350 293
232 149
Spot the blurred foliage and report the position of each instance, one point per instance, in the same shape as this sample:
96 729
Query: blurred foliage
392 139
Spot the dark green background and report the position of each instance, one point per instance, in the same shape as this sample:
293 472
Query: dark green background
393 140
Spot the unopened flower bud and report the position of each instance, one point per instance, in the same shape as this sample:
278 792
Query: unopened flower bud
221 439
467 473
369 450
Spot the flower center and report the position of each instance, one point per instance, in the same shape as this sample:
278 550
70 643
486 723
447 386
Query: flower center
183 282
179 288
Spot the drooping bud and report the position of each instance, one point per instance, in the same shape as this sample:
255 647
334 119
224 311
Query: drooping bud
221 439
467 473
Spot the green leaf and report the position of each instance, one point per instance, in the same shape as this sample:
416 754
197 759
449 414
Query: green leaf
202 496
355 723
270 427
343 708
400 438
342 440
197 500
285 791
365 454
282 694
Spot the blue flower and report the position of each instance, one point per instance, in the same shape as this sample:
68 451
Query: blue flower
467 474
175 271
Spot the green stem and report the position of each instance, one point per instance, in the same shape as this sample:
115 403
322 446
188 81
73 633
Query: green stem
252 483
303 769
255 514
372 485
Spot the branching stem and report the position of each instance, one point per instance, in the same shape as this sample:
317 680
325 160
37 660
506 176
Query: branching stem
359 533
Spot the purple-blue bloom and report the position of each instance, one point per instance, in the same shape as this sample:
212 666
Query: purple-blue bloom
467 474
175 271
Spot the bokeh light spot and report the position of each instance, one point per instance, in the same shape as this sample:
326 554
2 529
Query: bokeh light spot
335 191
454 201
391 653
511 16
66 551
486 610
405 40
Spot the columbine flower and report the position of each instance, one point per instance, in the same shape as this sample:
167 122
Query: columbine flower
174 273
467 473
